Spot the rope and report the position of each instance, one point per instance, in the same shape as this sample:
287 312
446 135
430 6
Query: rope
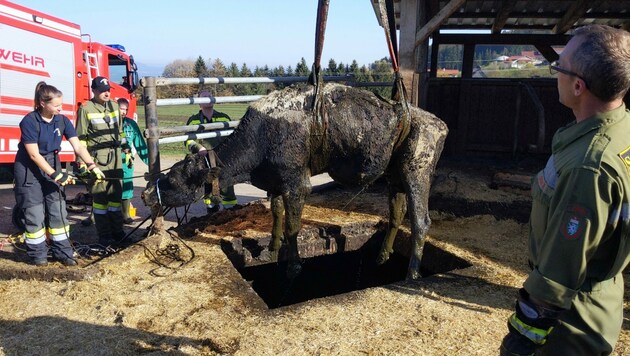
172 253
386 10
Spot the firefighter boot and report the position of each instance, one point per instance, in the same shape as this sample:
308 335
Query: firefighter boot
62 251
38 253
104 230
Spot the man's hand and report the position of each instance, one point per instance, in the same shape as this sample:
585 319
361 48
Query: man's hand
61 178
98 174
203 152
515 344
529 326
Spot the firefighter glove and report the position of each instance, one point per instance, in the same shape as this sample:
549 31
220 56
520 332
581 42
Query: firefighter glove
515 344
61 178
529 326
82 170
98 174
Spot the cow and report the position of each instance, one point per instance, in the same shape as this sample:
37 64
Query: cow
352 134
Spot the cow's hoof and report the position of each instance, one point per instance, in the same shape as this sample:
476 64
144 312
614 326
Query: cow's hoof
413 271
383 256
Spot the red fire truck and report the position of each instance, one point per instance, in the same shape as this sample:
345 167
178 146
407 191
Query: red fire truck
35 47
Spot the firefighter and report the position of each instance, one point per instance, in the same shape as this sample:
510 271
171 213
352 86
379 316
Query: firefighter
207 115
98 128
572 301
132 143
39 180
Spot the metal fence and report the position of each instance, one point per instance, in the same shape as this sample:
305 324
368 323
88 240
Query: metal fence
154 132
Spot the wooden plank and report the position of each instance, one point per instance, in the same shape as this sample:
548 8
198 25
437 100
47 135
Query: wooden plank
574 13
514 39
411 15
503 15
437 20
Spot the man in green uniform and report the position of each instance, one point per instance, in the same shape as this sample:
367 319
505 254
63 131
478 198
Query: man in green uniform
572 300
207 115
98 128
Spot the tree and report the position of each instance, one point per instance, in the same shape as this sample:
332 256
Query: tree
200 68
301 69
178 69
218 68
332 67
232 70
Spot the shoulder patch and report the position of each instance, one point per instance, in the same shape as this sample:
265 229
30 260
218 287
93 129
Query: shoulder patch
625 157
574 221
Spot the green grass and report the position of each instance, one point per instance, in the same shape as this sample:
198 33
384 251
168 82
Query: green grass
177 115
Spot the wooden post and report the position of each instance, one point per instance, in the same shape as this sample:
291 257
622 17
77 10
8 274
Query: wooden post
407 53
151 120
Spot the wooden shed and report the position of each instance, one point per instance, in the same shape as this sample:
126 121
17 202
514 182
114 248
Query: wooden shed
486 115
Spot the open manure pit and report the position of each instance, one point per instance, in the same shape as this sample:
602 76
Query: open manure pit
337 258
218 293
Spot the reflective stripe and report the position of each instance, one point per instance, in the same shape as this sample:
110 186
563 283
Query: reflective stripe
99 206
99 209
536 335
98 118
113 204
114 208
59 237
616 215
36 235
60 230
37 241
229 203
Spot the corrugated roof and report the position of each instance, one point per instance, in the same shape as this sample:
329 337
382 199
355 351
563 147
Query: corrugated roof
546 16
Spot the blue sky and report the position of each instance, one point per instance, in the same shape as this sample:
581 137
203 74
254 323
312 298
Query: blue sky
274 32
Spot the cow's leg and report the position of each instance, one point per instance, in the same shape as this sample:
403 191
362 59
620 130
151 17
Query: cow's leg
396 214
421 152
293 204
418 208
277 209
293 207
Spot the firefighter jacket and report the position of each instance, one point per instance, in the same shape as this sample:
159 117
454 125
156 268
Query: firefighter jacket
580 219
199 119
98 126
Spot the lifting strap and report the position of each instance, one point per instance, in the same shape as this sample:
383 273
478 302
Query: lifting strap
399 93
316 78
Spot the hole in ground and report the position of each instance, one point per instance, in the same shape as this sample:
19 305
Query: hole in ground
327 275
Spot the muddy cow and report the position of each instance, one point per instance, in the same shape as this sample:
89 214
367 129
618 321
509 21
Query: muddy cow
355 137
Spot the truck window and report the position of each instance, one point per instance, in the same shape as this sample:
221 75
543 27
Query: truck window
117 70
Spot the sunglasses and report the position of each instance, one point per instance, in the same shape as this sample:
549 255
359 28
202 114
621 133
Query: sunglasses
555 69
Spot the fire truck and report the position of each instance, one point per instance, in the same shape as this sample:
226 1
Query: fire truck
35 47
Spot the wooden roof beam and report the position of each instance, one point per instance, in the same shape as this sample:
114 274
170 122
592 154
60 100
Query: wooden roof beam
435 22
503 15
577 10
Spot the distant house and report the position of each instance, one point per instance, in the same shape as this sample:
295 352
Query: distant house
526 57
448 73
